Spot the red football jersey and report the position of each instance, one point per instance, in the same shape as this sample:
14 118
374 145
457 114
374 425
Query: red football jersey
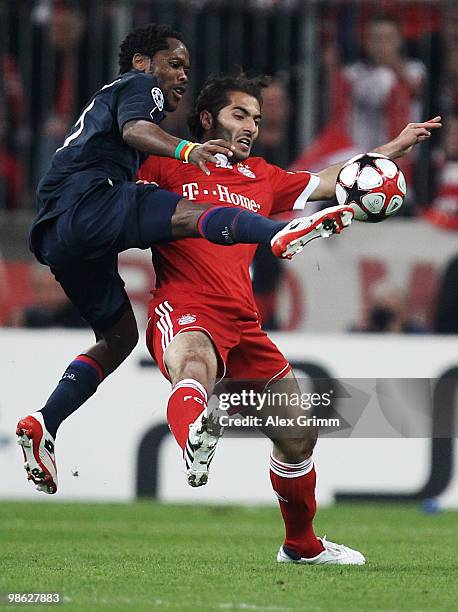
194 264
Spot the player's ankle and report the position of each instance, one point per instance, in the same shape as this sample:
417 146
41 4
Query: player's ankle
307 550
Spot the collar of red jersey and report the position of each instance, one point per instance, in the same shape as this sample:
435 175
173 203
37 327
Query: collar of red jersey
223 161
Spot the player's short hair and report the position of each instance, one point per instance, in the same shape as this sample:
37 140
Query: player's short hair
147 40
214 95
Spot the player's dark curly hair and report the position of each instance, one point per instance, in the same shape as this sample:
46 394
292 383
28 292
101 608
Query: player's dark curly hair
147 41
214 95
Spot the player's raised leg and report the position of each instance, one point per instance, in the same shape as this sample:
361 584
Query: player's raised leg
162 215
192 363
293 478
227 226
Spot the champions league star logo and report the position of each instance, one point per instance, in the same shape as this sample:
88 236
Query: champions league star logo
158 98
246 171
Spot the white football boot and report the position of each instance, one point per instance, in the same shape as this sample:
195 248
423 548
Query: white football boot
38 449
292 238
200 448
333 554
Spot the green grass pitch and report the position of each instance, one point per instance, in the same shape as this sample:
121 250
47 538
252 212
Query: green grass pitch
150 556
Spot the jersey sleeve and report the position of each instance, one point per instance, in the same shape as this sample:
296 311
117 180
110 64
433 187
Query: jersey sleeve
291 190
139 98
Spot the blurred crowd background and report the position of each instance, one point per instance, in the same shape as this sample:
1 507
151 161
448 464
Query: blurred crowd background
347 76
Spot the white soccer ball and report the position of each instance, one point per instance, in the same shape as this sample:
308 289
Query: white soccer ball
373 185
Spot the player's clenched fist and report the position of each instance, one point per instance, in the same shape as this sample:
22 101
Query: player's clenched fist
203 153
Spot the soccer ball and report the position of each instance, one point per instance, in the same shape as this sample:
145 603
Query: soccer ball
372 185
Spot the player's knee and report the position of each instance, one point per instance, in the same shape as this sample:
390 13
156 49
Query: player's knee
122 342
295 450
192 364
186 217
191 355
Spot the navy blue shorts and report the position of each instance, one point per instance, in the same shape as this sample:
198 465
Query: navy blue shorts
81 244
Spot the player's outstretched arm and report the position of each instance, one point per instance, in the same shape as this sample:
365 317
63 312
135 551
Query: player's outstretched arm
149 138
410 136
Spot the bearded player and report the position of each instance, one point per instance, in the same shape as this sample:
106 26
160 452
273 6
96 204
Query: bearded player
203 322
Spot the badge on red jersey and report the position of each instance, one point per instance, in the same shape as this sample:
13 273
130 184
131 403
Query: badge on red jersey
187 319
246 171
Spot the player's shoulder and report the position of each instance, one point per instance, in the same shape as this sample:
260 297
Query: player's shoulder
137 75
262 168
258 161
134 79
256 164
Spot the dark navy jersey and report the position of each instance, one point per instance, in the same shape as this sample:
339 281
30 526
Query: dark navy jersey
94 150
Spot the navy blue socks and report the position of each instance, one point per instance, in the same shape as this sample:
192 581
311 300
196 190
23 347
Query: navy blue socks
79 381
226 225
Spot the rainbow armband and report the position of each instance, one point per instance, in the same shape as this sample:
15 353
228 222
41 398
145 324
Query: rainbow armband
183 149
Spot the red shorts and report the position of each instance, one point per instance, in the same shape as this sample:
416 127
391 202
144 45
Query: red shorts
244 349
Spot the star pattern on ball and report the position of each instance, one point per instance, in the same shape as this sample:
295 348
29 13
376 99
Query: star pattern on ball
354 193
368 160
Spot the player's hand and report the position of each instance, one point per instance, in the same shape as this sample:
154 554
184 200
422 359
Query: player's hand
204 153
410 136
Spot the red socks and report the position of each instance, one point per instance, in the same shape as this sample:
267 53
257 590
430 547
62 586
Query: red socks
294 485
186 401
